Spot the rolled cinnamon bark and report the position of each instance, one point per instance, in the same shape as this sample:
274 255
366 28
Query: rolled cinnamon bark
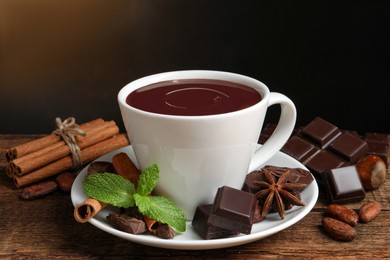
151 224
40 143
88 154
126 168
88 209
56 151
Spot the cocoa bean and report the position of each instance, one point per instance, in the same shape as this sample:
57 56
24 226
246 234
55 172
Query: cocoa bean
368 211
38 190
338 230
65 181
343 213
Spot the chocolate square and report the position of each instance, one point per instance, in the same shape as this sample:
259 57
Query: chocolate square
350 147
344 185
299 149
320 132
205 230
233 210
324 161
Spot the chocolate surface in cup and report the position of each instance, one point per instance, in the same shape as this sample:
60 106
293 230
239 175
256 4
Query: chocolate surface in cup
193 97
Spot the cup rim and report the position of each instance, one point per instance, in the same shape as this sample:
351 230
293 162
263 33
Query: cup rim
193 74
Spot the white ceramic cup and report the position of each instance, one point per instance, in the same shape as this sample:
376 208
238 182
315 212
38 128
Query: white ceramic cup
198 154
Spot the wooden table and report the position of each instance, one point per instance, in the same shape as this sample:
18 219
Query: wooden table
45 228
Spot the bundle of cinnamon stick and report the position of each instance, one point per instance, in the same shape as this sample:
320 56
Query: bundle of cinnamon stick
49 155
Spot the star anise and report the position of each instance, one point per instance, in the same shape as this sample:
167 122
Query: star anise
275 192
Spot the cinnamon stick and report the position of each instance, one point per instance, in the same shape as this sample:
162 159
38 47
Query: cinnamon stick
56 151
88 154
151 224
88 209
126 168
43 142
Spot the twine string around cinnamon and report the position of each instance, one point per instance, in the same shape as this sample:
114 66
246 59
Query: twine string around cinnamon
68 130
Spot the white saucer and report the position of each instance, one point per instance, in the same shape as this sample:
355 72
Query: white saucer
189 239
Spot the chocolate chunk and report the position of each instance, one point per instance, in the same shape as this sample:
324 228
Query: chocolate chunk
320 132
233 210
299 149
164 231
205 230
324 161
299 175
350 147
100 167
126 224
378 138
249 185
344 185
379 144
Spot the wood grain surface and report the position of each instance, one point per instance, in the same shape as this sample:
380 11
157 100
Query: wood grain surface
45 229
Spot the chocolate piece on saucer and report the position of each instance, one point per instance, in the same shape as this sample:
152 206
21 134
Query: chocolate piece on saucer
233 210
299 149
249 185
205 230
344 185
350 147
320 132
299 175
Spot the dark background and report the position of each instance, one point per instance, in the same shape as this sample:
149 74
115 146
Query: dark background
70 58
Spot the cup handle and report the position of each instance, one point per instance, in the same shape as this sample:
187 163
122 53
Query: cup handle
282 131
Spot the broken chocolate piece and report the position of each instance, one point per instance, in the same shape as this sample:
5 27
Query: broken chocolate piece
126 224
164 231
249 184
379 144
233 210
205 230
344 185
100 167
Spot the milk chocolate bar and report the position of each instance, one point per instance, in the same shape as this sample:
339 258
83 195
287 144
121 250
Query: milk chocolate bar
344 185
233 210
204 229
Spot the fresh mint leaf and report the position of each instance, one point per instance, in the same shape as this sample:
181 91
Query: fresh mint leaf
148 180
161 209
110 188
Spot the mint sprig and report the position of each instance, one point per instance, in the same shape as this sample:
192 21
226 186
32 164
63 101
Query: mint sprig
120 192
110 188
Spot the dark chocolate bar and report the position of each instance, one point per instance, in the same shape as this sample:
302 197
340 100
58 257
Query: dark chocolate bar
379 144
344 185
322 162
205 230
300 149
320 132
233 210
350 147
